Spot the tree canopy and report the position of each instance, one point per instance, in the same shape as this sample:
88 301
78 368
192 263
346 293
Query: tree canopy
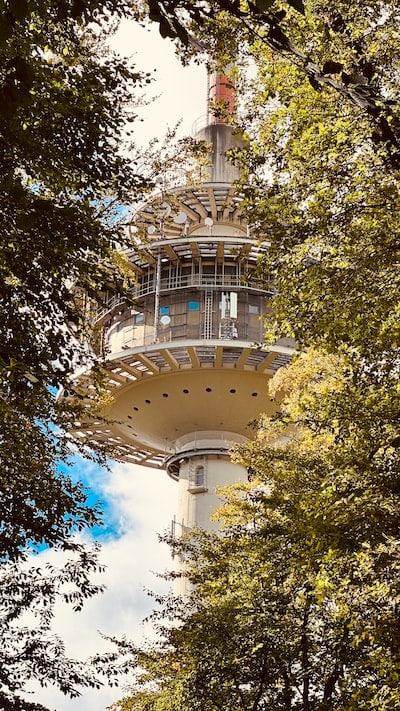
66 102
350 49
294 605
63 111
295 602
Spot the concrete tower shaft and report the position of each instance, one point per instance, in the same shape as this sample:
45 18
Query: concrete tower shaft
221 107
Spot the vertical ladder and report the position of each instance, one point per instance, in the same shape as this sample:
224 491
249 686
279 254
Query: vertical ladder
208 306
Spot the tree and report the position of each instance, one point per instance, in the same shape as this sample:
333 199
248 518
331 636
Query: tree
65 101
30 649
322 192
352 49
295 602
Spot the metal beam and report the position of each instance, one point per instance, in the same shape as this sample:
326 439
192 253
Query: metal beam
195 251
227 204
193 357
148 363
128 368
267 361
169 358
213 204
242 360
220 252
218 356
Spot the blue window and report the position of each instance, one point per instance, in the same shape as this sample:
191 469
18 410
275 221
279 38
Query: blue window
193 306
164 310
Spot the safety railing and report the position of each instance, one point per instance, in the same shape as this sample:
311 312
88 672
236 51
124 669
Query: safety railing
229 282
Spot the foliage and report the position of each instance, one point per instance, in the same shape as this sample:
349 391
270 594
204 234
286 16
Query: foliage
30 649
352 50
295 604
321 190
63 107
65 101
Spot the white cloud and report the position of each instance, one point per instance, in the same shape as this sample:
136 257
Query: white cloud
180 92
142 501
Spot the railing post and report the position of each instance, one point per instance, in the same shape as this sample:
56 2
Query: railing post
157 297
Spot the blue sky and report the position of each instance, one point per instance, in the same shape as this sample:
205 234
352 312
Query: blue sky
138 502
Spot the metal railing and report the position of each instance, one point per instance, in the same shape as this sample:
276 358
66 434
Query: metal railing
181 282
109 306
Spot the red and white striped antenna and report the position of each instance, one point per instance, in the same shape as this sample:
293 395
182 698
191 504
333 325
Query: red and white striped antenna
221 91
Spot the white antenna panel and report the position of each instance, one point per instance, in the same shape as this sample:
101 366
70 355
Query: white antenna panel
233 305
180 218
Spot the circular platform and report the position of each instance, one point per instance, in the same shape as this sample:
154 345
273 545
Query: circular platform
157 411
162 393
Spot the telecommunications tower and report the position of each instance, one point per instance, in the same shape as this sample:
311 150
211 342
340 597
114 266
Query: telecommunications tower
184 366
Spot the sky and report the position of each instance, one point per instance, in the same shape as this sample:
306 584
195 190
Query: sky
139 502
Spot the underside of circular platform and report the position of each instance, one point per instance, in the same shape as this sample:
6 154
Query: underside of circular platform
161 394
157 411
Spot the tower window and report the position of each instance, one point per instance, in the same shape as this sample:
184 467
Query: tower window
193 306
197 478
200 476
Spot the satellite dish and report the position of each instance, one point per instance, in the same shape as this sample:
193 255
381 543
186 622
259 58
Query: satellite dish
209 221
165 320
167 208
180 218
151 229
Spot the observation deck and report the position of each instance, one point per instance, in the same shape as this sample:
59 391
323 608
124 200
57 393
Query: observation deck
183 353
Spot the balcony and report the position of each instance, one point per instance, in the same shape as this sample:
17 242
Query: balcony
185 281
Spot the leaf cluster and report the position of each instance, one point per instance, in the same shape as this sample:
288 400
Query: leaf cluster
351 51
322 193
65 176
294 605
64 100
29 595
